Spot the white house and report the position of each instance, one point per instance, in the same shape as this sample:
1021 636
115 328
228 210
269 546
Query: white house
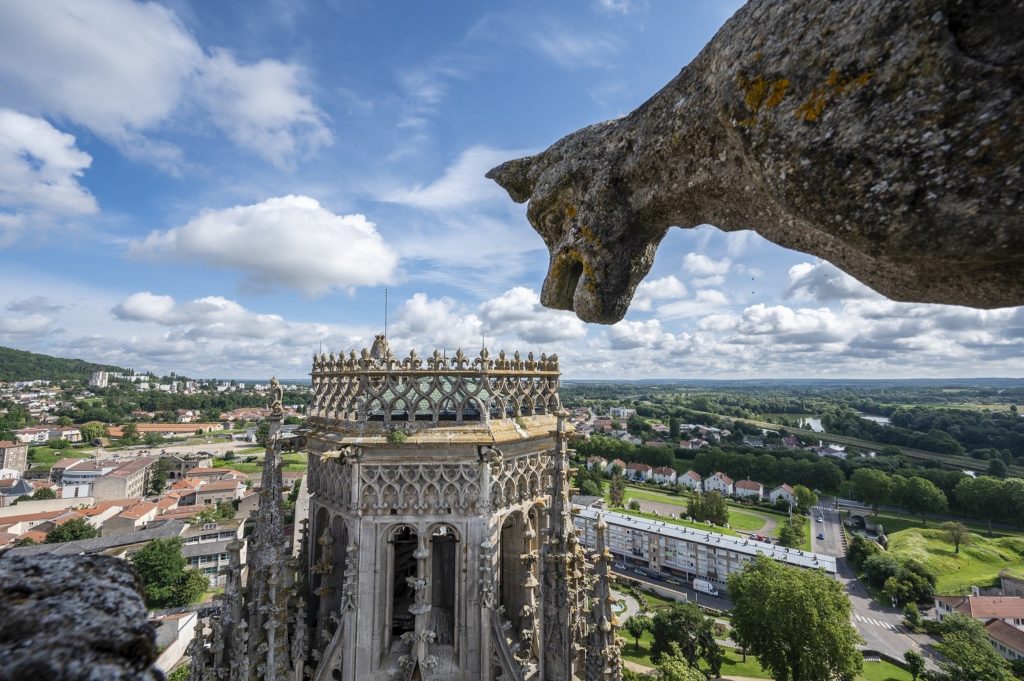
622 412
719 482
691 479
783 491
639 471
597 462
665 475
750 489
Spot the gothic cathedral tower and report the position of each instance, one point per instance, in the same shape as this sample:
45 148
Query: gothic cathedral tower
440 543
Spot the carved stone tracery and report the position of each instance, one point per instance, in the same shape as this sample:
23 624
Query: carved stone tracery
380 387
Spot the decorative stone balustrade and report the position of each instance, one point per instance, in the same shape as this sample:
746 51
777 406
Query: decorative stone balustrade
377 386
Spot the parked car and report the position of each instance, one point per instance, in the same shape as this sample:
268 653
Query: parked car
821 535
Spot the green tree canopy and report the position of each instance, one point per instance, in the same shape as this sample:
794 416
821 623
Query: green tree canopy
873 487
924 497
674 667
682 629
72 530
805 498
969 655
166 583
796 621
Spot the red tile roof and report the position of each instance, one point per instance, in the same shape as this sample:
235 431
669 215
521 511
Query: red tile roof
986 607
723 477
218 486
1008 635
750 484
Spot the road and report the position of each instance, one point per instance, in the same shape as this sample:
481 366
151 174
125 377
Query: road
881 627
683 594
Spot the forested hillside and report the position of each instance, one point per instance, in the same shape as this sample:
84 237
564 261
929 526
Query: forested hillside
19 365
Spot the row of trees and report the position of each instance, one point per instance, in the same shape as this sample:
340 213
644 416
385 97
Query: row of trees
987 498
915 494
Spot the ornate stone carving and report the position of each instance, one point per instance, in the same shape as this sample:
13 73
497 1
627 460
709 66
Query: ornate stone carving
419 488
379 386
519 479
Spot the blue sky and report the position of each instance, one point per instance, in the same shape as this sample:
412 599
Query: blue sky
217 188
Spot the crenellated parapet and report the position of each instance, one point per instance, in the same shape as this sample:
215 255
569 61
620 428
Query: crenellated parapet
378 386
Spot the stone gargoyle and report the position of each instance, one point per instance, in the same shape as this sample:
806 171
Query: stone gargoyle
886 137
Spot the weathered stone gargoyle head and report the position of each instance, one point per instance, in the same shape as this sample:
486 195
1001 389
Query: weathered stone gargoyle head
601 246
883 137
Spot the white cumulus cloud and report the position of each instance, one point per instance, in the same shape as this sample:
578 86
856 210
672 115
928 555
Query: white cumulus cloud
699 265
123 69
291 241
517 314
664 288
823 281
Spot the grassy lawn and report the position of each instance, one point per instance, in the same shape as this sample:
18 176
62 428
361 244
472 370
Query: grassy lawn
294 462
978 563
893 524
676 521
44 457
735 666
744 519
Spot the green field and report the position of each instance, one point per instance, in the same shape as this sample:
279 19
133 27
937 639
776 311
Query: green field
977 564
739 519
735 666
676 521
44 457
294 462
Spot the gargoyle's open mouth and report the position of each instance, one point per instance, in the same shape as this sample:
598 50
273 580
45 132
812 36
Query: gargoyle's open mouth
559 288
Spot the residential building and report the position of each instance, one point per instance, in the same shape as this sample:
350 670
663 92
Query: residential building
683 551
1009 609
213 493
639 471
12 488
621 412
206 474
753 442
665 475
129 480
597 462
132 519
783 491
693 443
205 547
84 471
602 424
1006 639
719 482
57 469
178 466
749 489
14 455
620 464
691 479
791 442
43 434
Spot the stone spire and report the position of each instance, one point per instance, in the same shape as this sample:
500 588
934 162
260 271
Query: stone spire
604 662
556 555
268 588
